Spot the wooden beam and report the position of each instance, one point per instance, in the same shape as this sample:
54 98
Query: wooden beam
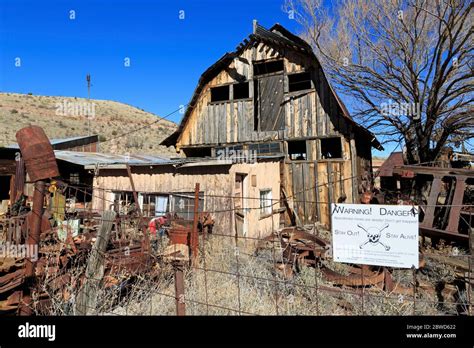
87 297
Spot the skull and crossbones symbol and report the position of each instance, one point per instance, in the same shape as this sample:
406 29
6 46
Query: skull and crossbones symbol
373 235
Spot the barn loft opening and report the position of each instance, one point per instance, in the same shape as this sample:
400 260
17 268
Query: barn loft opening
297 150
331 148
299 82
220 93
268 67
241 90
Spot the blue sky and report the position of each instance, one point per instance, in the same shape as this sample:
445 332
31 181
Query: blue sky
167 54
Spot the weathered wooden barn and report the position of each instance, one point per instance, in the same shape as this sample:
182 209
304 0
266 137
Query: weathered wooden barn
271 95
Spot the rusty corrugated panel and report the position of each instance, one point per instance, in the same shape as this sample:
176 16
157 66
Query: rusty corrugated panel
394 160
38 153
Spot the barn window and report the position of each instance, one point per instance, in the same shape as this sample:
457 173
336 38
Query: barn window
241 90
228 152
154 204
297 150
268 67
299 82
74 178
331 148
220 93
265 148
265 202
182 204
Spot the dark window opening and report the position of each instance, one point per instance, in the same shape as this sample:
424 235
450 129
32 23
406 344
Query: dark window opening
124 203
197 152
220 93
265 148
299 82
267 67
241 90
297 150
4 187
331 148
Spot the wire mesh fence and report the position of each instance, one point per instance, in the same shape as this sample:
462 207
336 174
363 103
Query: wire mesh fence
122 262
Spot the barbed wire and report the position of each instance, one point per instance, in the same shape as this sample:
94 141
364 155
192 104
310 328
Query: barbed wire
233 254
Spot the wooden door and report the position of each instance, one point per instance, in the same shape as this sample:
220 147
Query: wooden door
270 91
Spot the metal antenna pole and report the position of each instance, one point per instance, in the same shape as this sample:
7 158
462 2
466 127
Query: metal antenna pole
88 78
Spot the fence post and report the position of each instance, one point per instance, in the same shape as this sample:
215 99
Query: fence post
179 288
87 297
470 259
194 234
141 224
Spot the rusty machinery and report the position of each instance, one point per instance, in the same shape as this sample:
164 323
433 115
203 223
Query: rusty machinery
447 210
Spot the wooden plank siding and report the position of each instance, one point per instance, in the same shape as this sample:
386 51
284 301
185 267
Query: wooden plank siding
308 115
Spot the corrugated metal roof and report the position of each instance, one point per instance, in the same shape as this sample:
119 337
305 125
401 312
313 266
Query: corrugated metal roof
56 141
91 159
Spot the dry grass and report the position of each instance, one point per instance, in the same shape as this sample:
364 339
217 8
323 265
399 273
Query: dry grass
230 281
248 284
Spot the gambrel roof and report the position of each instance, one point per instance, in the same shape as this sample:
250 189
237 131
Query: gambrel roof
277 36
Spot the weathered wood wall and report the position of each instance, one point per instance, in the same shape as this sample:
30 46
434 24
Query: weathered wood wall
217 183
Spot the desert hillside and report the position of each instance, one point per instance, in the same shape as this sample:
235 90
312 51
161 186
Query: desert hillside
63 117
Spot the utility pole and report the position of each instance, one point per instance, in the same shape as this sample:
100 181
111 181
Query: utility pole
88 78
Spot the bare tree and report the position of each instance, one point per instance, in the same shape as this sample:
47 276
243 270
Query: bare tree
407 64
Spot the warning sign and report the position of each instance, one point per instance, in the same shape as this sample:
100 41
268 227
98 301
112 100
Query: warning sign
379 235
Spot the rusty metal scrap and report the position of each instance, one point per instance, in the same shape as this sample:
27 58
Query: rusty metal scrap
37 153
124 258
364 277
452 218
302 248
